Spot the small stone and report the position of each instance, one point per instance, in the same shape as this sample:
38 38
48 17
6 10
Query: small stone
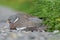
13 35
42 38
31 37
55 31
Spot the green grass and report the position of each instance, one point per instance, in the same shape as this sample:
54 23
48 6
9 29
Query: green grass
49 10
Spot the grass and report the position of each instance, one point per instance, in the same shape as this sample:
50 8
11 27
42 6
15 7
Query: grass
49 10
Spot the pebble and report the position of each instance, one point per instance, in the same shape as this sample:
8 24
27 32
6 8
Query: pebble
13 35
56 31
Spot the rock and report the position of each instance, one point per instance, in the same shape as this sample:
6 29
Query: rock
56 31
13 35
42 38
